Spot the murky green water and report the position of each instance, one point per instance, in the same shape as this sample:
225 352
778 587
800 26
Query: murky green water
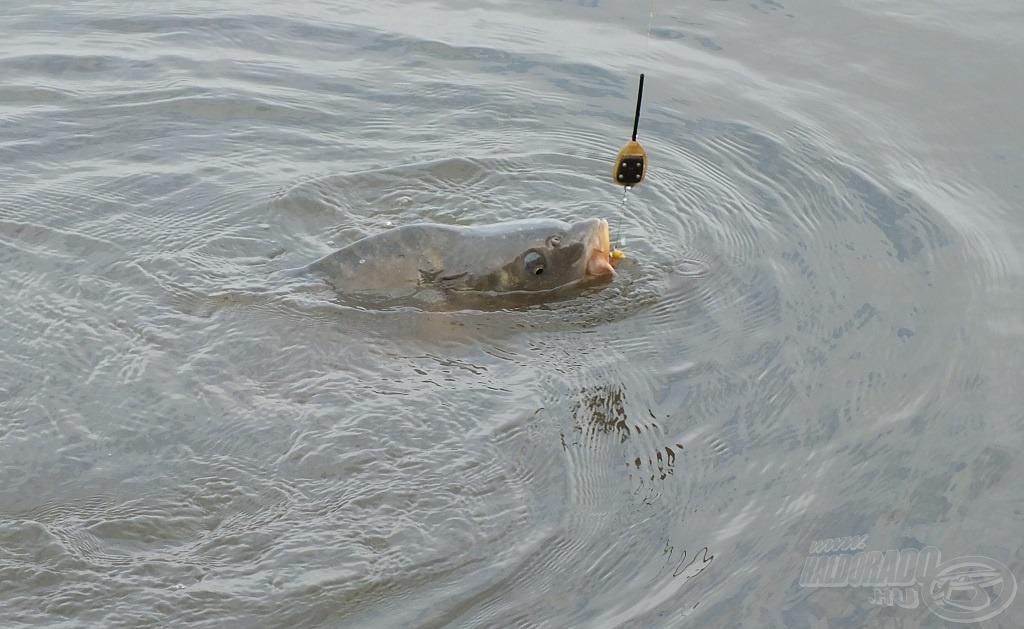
818 332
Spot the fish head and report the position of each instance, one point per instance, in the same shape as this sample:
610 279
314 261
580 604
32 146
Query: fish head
547 254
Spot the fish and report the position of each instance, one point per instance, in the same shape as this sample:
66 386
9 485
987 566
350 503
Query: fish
521 256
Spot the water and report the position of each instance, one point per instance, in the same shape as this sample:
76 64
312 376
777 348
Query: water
817 332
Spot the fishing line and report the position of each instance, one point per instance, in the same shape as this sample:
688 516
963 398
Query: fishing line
630 164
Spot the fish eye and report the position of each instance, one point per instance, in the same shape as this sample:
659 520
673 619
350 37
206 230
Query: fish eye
533 263
554 241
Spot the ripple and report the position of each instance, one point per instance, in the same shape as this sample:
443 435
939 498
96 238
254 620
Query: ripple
192 439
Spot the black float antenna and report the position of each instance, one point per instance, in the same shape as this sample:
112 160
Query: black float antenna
639 97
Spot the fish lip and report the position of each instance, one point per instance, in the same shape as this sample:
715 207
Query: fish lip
599 258
606 240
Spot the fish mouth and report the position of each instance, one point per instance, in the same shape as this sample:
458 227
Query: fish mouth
599 259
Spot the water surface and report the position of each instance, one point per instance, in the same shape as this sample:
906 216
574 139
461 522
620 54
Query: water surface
817 334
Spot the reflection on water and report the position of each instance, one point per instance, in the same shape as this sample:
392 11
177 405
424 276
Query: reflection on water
815 333
601 409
